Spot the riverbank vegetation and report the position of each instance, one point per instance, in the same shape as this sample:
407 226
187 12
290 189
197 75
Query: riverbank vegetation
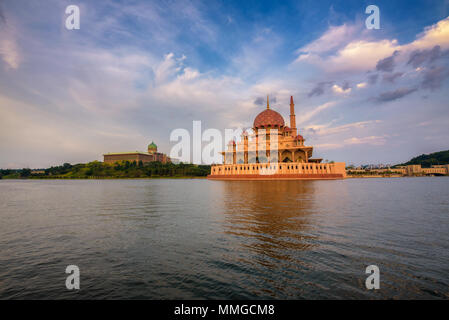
100 170
427 160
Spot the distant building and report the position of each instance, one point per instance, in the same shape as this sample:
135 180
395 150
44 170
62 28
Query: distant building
150 156
416 169
409 170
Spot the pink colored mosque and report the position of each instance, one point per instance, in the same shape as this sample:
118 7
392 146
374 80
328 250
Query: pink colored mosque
273 151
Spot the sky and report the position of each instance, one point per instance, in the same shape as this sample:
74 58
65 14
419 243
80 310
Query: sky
137 70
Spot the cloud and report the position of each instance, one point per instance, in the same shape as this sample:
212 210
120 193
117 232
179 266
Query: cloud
395 94
9 50
355 51
391 77
166 69
2 16
361 85
338 135
327 130
372 79
333 38
328 146
341 90
420 57
319 88
262 101
369 140
372 140
434 77
387 64
308 115
358 55
437 34
189 74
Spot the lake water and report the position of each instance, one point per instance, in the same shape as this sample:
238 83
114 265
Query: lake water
200 239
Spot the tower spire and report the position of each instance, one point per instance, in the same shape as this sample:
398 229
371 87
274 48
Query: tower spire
268 103
292 116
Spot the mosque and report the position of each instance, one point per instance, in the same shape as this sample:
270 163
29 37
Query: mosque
287 158
150 156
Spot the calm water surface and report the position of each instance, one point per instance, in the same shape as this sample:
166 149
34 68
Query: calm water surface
199 239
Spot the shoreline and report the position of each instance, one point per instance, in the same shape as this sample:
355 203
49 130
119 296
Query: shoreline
104 178
205 178
395 176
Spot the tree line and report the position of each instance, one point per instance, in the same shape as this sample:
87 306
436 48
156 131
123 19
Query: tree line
124 169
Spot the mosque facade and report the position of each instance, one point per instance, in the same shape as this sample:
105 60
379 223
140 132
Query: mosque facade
273 151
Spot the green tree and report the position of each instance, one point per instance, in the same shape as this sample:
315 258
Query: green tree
25 173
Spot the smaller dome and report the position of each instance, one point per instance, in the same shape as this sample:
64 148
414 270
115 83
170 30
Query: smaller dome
152 145
299 137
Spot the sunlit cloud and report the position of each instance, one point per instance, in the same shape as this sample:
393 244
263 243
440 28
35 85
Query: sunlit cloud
372 140
337 89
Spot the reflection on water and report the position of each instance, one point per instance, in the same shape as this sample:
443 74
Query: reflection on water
189 239
270 217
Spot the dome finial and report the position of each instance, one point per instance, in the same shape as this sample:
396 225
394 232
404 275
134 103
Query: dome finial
268 103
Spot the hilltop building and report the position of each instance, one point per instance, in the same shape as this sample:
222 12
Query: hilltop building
252 158
150 156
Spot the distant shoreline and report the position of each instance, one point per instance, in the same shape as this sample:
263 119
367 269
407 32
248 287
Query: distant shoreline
185 178
395 176
102 178
374 176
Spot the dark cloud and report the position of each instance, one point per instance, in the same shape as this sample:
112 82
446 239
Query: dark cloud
319 89
345 85
372 79
391 77
262 101
434 77
2 16
387 64
419 57
395 94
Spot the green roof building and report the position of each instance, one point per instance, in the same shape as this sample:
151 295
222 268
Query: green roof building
152 147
